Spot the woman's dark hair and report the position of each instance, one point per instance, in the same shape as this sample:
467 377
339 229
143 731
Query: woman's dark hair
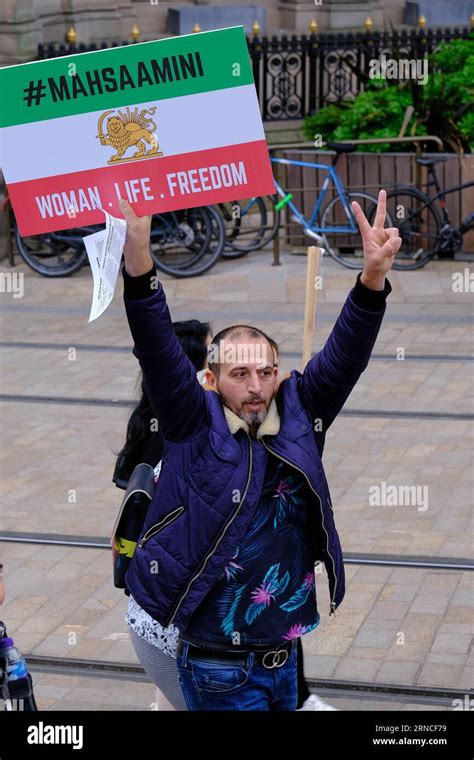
192 335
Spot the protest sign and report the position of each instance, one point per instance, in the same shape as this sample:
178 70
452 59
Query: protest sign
168 124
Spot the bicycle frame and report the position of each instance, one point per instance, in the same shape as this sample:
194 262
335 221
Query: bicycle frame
440 198
430 200
332 176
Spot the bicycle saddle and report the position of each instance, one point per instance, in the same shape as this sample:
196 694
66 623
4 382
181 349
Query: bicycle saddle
430 161
342 147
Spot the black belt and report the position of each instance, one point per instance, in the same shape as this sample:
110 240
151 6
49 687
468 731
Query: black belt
270 658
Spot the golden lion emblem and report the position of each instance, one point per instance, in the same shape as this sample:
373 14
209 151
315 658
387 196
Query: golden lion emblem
129 129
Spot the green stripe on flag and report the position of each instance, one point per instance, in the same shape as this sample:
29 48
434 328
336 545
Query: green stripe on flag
118 77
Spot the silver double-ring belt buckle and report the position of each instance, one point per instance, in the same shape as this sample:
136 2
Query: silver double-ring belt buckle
277 658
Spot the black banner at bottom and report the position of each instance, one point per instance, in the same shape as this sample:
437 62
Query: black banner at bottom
413 734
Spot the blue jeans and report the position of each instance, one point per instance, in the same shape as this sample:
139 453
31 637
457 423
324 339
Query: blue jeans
251 686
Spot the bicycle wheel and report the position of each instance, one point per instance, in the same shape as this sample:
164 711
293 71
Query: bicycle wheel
218 232
187 243
346 247
419 226
249 224
177 239
55 254
207 254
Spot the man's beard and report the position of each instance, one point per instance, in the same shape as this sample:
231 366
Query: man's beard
253 419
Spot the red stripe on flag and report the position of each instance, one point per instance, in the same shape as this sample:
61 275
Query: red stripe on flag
42 205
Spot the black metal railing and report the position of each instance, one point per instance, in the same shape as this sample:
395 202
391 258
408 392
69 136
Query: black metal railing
297 75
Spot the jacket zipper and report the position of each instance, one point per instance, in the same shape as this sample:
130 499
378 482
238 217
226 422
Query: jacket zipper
332 606
154 529
221 536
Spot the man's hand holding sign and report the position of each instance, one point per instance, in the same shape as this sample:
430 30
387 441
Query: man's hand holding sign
137 242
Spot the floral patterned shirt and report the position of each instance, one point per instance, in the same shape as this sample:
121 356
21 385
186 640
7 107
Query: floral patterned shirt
266 594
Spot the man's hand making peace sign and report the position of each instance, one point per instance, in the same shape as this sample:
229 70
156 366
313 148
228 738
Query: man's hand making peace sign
380 245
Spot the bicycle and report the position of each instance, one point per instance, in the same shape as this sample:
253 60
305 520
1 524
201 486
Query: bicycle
334 225
426 233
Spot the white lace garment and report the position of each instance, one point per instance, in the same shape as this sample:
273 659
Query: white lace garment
150 629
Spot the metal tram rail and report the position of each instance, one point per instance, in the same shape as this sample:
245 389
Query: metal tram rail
459 564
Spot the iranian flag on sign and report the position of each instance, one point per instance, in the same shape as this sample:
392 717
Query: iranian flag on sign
168 124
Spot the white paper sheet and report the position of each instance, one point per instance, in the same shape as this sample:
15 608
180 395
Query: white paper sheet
104 249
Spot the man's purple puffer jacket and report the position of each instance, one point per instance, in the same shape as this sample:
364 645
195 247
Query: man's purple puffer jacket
209 484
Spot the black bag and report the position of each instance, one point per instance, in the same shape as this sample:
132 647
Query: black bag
130 519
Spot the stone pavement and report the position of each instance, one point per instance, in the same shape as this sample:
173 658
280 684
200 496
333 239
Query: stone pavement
63 418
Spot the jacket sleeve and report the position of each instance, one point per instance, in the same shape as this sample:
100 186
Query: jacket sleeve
169 377
332 373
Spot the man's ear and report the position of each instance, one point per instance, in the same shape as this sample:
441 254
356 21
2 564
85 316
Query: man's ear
211 378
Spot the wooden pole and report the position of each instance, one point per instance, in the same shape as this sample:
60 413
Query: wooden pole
314 260
409 111
276 249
